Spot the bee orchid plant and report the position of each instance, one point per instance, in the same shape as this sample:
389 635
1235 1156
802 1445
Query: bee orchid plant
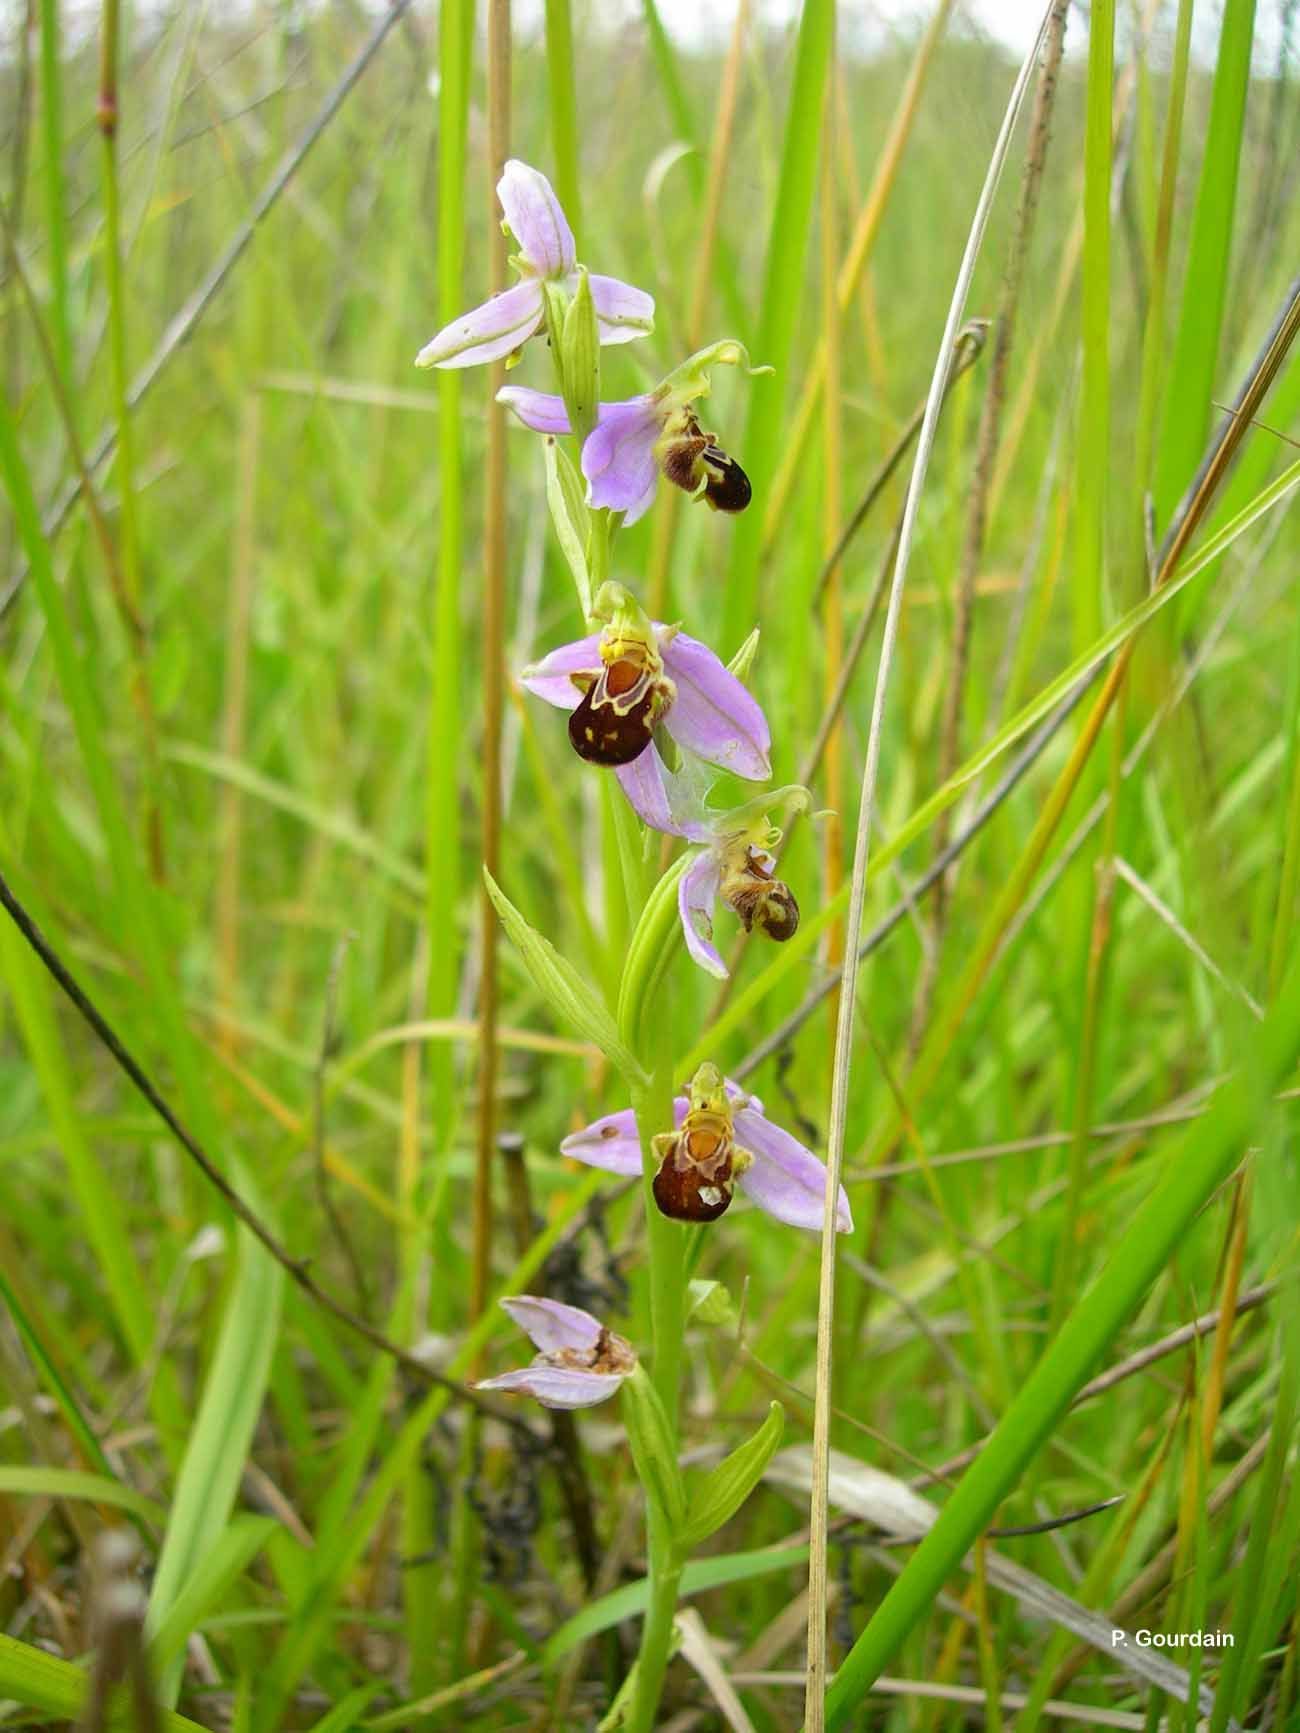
660 710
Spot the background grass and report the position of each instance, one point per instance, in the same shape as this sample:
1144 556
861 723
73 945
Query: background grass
302 539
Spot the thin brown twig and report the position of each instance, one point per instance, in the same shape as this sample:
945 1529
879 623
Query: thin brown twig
296 1268
986 447
1150 1579
192 311
966 351
1131 1366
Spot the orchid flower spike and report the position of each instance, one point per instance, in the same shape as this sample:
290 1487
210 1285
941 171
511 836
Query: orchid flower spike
635 440
579 1362
634 676
546 256
722 1141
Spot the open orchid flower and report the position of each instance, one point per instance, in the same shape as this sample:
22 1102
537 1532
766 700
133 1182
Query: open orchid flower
735 860
579 1362
623 682
636 439
723 1141
546 255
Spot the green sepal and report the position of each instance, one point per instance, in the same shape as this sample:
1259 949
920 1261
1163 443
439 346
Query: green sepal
725 1488
563 987
579 359
616 607
572 520
653 1452
691 380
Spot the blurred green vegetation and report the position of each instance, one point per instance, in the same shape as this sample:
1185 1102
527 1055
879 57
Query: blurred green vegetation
286 497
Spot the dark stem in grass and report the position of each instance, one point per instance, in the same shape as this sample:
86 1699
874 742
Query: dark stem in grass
966 351
986 449
192 311
297 1268
117 1616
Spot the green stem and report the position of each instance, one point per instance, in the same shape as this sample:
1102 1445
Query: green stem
657 1631
666 1240
666 1250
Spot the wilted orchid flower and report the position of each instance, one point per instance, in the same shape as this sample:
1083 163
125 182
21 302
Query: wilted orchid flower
634 440
580 1362
625 681
723 1140
546 255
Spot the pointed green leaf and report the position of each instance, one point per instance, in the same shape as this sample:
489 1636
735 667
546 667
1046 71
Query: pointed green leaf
629 1602
724 1489
58 1688
223 1564
562 986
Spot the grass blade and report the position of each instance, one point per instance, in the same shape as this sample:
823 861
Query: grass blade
787 252
1192 1173
1194 364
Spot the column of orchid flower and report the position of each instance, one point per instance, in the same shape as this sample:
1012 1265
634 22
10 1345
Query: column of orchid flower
661 711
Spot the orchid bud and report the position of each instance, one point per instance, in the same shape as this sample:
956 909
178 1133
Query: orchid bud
579 359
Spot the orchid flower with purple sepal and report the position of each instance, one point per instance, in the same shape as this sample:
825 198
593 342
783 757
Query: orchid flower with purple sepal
502 325
634 676
784 1178
636 439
